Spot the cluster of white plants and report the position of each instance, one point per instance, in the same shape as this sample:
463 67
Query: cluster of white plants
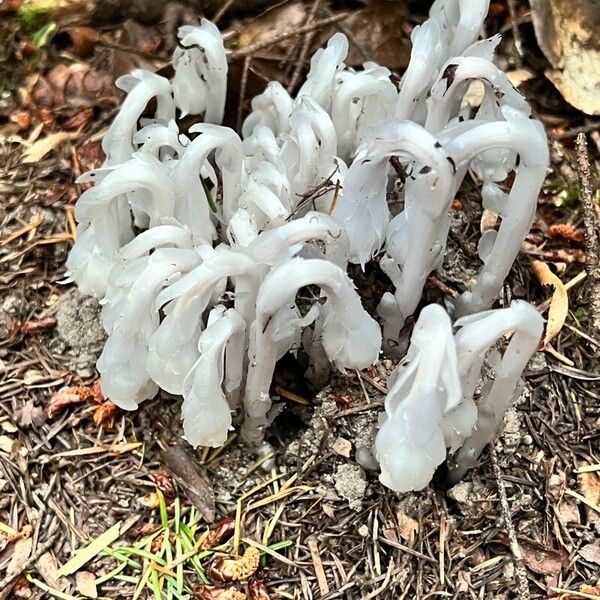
198 244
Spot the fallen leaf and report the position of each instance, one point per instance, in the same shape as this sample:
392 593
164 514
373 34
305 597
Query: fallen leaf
591 590
219 534
209 592
257 590
566 231
47 567
19 558
151 500
39 149
84 555
235 569
86 584
542 560
591 552
164 482
83 40
567 33
589 486
105 412
407 528
6 444
559 305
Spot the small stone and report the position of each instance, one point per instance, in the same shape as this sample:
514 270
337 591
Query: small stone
363 531
341 447
351 484
461 492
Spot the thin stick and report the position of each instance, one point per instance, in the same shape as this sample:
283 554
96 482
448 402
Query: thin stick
287 34
515 31
592 243
308 38
520 573
243 85
224 8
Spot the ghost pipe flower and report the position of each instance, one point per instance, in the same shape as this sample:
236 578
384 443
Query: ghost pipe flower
272 109
425 58
310 147
325 64
351 338
361 101
141 86
460 22
104 220
526 137
173 347
477 334
193 205
132 320
200 81
205 411
410 443
456 72
415 239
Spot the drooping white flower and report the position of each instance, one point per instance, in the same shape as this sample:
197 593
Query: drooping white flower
200 81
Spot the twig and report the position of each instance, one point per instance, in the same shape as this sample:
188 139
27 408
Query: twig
286 35
243 86
224 8
520 572
515 31
592 243
308 38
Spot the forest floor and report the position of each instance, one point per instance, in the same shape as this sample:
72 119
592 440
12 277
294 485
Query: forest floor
76 472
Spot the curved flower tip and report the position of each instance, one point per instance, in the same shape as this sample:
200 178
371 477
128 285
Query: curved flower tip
205 412
200 81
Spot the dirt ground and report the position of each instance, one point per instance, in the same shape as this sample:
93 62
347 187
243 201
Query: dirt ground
524 524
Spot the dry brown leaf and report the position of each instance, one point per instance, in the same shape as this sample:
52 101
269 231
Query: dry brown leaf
542 560
257 590
559 305
220 534
566 231
589 486
228 569
47 567
407 528
591 590
567 32
39 149
86 584
591 552
209 592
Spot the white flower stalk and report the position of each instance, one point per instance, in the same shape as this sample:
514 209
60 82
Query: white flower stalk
310 148
173 347
141 87
193 205
133 318
460 22
200 81
103 213
325 64
410 443
527 138
361 100
205 411
415 239
426 56
477 334
351 338
271 109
